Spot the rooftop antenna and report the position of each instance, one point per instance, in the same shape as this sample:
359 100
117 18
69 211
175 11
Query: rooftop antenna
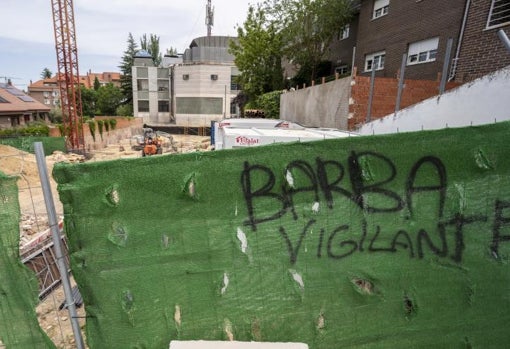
209 17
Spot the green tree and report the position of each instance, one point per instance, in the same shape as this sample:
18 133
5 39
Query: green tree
88 101
126 83
171 51
151 45
258 54
46 73
97 84
109 97
308 28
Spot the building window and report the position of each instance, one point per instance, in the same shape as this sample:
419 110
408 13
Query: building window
142 84
163 106
422 51
499 13
143 106
381 8
342 69
46 94
375 60
344 34
234 84
185 77
163 85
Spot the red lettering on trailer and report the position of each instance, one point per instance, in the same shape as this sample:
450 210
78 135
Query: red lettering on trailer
243 140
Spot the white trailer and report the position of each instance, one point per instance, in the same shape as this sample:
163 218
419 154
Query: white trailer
239 137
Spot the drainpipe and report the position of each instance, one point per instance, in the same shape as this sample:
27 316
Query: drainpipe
459 43
504 39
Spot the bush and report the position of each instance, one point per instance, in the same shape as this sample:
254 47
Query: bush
270 104
113 123
92 128
125 110
36 129
100 125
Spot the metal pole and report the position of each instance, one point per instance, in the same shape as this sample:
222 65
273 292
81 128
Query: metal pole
446 63
504 38
353 60
401 82
57 242
371 91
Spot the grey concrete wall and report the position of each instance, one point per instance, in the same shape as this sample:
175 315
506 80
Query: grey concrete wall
325 105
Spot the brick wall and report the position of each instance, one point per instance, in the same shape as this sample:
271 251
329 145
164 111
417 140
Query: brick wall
407 21
385 96
481 51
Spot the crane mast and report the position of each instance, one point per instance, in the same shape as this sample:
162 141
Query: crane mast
68 76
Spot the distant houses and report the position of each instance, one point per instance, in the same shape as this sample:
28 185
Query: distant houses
18 109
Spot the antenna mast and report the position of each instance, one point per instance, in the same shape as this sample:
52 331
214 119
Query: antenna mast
209 17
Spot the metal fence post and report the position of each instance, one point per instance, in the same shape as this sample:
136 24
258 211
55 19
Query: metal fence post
55 233
371 91
446 63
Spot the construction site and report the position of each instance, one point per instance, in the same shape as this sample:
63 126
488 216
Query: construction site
395 235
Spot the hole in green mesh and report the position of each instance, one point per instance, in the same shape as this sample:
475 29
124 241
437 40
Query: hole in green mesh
190 186
128 305
366 169
363 285
482 161
118 235
112 196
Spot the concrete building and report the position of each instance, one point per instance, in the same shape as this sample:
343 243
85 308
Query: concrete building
189 90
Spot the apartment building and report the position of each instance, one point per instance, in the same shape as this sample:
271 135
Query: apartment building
46 91
19 109
192 89
388 29
382 31
480 50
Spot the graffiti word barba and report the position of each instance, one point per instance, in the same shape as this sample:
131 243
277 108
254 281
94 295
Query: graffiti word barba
329 179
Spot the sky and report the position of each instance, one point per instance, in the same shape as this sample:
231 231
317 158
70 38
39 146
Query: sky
27 42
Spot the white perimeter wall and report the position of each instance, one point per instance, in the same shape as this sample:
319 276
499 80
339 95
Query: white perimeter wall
482 101
325 105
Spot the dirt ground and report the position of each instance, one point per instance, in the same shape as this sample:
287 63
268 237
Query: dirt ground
34 219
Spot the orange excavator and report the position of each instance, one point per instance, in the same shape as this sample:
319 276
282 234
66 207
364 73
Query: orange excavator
152 143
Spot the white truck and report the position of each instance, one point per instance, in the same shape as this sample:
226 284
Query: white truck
238 133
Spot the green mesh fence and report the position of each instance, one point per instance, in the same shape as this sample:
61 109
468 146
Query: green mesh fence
391 241
50 144
18 287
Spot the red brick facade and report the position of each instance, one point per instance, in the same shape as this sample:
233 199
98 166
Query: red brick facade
481 49
407 21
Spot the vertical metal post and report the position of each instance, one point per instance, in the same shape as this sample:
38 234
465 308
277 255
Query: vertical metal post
57 242
446 63
353 60
371 91
504 38
401 82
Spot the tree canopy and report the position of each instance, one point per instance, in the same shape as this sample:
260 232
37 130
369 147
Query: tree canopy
298 31
46 73
258 54
151 45
126 83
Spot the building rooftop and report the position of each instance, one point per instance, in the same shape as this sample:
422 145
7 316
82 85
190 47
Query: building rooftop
15 100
